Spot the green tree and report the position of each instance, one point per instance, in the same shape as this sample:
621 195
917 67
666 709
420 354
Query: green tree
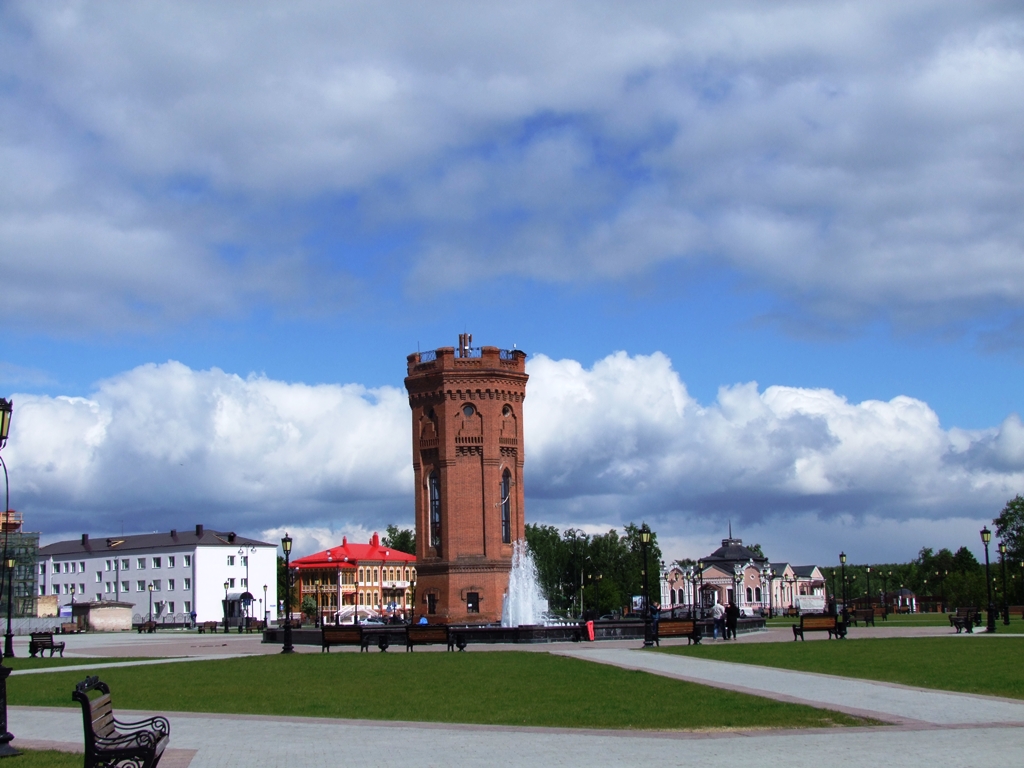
401 539
309 607
545 543
1010 527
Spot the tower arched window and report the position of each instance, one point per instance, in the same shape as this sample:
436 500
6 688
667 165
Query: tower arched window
435 510
506 508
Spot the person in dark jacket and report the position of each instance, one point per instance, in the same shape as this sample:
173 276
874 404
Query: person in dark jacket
732 616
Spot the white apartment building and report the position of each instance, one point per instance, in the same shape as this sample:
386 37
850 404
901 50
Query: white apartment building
186 570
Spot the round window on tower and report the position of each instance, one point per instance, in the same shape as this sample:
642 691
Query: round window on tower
506 411
467 411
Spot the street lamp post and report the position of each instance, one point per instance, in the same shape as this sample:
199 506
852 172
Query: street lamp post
6 411
869 588
148 589
225 607
699 596
6 750
986 537
842 561
645 540
771 593
266 606
286 545
1002 564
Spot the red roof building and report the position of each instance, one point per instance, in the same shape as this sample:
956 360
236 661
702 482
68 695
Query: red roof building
373 577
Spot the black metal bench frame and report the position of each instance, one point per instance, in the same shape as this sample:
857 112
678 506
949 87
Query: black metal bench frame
43 641
112 742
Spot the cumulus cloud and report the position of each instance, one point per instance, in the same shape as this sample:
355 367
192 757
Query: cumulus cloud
164 446
857 160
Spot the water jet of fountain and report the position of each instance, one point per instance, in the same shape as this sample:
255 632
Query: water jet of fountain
524 603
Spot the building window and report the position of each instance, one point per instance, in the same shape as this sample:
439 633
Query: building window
156 562
188 583
56 589
170 561
125 585
42 590
376 598
360 575
231 559
473 602
243 560
435 510
99 577
431 604
81 567
56 567
106 587
170 606
42 569
376 579
188 561
67 567
506 508
750 595
170 585
188 606
244 583
81 589
140 586
156 585
360 598
231 583
125 564
141 564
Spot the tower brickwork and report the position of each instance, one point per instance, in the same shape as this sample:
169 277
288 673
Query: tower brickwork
467 448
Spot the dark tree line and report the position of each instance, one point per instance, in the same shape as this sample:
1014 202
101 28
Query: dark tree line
953 578
600 573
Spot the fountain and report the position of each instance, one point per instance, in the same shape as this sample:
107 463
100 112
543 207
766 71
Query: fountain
524 604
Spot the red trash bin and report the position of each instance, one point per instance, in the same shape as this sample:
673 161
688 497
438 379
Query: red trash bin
590 631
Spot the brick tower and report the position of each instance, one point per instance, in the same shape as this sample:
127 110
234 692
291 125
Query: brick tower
467 457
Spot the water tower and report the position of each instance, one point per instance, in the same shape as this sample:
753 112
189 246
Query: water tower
467 454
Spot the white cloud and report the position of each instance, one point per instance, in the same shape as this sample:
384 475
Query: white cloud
855 159
163 446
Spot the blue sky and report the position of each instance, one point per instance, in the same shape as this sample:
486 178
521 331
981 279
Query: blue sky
798 223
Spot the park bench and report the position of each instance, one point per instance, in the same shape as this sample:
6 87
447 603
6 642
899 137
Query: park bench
210 626
256 625
428 634
678 628
1017 610
792 612
866 615
147 626
965 618
43 641
817 623
881 612
357 635
69 628
109 741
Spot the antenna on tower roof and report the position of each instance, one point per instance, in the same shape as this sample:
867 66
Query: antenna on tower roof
730 529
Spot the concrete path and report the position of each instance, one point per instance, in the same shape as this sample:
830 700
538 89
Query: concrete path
885 701
205 741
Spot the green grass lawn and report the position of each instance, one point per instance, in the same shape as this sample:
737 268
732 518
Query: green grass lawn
44 758
970 665
506 688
